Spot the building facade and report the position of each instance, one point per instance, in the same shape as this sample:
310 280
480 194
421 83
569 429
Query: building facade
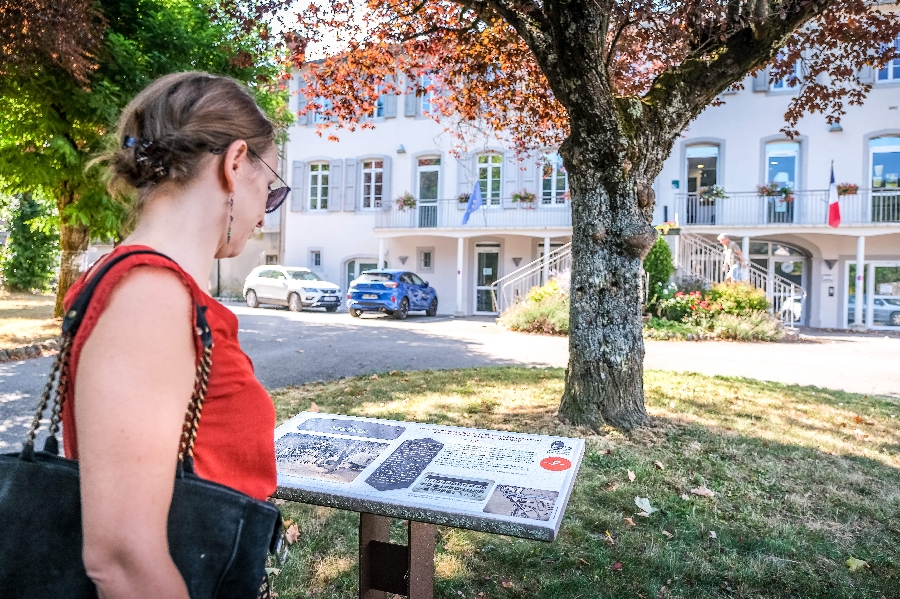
396 196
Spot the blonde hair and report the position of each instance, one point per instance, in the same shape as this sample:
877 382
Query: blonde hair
168 129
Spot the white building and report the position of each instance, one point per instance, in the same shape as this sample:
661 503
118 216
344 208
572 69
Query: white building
343 217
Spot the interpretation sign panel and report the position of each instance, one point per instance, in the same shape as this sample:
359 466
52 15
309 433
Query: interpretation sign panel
494 481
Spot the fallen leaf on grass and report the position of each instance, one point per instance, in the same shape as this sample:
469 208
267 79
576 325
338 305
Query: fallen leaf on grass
392 373
313 407
855 564
507 584
630 522
292 534
273 571
712 534
644 504
643 514
702 491
631 476
348 389
583 561
685 496
668 534
609 540
860 435
658 465
405 380
374 377
617 566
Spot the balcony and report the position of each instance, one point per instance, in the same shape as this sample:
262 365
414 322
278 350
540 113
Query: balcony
448 214
810 208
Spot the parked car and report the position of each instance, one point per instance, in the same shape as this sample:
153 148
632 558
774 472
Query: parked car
394 292
886 310
295 288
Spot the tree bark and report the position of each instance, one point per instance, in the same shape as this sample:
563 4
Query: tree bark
611 234
73 245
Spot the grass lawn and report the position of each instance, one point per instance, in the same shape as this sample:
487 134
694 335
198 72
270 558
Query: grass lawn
804 479
26 319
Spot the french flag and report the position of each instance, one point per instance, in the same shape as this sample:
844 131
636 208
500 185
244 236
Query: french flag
834 208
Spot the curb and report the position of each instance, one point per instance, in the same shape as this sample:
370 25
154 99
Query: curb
38 350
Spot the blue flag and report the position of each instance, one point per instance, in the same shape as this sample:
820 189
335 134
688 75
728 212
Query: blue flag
474 202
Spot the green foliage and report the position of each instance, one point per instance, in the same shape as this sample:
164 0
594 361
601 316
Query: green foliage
658 264
738 298
549 316
31 253
51 125
662 329
539 294
753 326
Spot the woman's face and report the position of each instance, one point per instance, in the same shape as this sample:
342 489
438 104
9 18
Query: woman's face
252 181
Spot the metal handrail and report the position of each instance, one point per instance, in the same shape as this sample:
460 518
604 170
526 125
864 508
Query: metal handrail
509 290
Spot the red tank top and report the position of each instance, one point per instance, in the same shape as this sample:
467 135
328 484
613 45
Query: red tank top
235 441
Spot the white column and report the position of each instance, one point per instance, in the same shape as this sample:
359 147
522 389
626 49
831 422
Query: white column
860 292
460 310
546 260
745 250
381 252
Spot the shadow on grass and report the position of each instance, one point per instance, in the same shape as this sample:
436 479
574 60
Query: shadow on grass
795 497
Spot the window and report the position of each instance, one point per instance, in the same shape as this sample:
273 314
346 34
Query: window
323 105
788 81
315 259
425 260
490 170
891 71
702 167
375 277
781 163
885 157
303 274
428 177
378 112
554 180
407 278
417 280
318 186
372 183
271 258
425 100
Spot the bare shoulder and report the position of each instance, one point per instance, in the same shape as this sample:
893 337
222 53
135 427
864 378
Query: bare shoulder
154 291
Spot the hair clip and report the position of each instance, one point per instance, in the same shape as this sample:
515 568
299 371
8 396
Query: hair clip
128 142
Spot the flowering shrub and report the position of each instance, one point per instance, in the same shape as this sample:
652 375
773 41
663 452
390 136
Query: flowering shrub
690 306
847 189
774 189
738 298
524 197
405 201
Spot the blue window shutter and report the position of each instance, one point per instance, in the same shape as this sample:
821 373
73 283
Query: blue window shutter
761 80
351 168
335 185
390 106
298 186
510 176
529 175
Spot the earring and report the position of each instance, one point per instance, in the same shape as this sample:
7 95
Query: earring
230 216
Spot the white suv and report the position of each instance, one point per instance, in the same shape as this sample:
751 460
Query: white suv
295 288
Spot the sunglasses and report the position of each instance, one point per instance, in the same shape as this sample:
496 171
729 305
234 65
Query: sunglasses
278 195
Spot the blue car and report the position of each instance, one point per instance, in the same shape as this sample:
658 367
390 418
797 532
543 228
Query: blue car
394 292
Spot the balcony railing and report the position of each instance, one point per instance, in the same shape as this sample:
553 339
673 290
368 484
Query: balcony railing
868 206
448 214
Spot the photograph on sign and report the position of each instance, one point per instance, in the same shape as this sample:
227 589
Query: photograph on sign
495 481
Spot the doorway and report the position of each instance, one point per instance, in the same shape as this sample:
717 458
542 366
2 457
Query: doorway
357 267
487 265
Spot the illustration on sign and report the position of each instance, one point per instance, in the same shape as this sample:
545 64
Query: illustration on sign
474 489
522 502
405 465
329 458
352 428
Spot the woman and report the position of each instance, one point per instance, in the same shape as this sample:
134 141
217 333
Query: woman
198 156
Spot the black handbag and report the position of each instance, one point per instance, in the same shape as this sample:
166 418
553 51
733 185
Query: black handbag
218 537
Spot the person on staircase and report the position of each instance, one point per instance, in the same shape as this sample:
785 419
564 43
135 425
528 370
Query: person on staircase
734 264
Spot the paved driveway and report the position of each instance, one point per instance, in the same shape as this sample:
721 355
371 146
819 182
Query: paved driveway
292 348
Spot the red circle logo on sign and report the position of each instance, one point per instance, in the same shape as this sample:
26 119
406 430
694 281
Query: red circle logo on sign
555 464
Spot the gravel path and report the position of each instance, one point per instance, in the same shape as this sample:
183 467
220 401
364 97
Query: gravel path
293 348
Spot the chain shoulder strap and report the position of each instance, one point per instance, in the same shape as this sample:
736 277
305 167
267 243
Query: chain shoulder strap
58 379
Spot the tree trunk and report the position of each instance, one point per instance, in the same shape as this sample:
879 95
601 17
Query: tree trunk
611 209
73 244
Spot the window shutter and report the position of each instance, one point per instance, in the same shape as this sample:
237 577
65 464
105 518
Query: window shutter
335 184
301 97
298 186
350 177
529 175
411 100
390 106
761 80
465 176
386 198
510 177
866 74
